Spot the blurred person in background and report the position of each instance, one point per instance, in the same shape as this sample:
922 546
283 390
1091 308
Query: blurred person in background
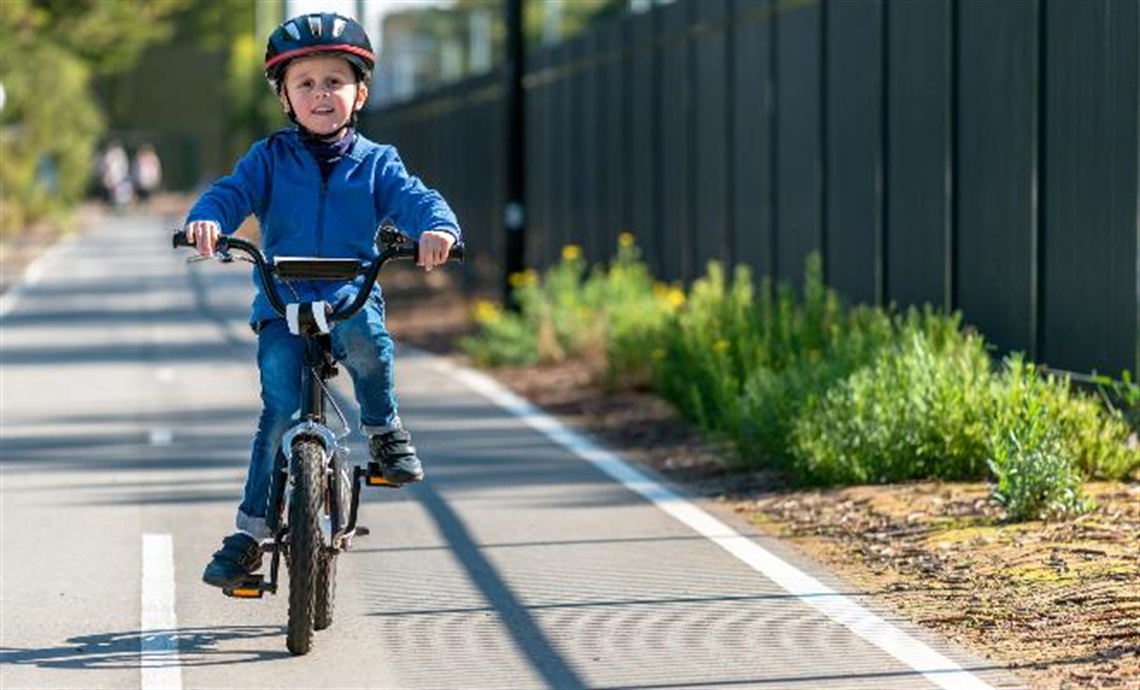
115 175
146 172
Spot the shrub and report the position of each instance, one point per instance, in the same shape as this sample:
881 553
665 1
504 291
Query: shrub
503 338
610 315
1035 473
1095 438
743 362
827 394
709 348
917 411
637 316
1121 396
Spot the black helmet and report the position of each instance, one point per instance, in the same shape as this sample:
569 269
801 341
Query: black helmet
312 34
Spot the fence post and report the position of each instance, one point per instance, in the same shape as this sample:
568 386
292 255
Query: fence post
514 210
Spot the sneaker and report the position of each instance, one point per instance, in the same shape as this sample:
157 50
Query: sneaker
397 457
239 557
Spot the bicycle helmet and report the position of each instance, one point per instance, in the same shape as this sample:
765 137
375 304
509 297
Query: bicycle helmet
318 33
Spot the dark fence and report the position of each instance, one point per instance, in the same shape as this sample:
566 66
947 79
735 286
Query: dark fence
978 155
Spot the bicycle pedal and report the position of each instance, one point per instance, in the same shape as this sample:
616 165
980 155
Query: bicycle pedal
375 477
250 589
361 531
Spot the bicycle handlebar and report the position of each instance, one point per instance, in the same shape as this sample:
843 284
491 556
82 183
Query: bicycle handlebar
395 247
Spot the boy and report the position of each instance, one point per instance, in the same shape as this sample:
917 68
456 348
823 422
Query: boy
319 189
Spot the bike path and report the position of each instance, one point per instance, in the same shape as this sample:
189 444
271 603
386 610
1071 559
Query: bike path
128 402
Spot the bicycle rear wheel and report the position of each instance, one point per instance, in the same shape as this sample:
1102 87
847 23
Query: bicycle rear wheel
305 542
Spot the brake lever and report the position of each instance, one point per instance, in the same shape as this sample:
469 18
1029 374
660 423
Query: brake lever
223 255
392 238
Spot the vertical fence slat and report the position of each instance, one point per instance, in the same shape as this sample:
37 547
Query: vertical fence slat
561 147
645 168
615 178
752 145
854 123
918 160
590 141
996 217
537 157
1091 235
710 106
675 141
798 149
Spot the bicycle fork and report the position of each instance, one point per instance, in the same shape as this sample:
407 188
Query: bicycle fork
342 490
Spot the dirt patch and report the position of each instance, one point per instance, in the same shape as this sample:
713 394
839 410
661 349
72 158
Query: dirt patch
1058 603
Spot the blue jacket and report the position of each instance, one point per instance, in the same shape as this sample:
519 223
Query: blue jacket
302 214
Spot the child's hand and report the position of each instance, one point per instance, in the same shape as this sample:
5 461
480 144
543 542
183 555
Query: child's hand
203 234
434 248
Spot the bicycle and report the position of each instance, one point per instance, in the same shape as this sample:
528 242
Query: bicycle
316 521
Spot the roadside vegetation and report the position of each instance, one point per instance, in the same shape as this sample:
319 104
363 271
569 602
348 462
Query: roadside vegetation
826 394
67 71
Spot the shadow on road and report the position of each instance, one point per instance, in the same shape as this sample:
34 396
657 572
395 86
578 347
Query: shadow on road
214 646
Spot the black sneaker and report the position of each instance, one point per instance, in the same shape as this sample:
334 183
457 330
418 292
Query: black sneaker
239 557
397 457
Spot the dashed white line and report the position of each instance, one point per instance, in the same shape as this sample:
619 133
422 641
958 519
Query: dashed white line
158 633
934 666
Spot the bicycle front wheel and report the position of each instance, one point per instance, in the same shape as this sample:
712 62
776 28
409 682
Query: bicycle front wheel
305 542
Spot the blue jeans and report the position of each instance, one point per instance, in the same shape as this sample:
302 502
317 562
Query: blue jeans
363 346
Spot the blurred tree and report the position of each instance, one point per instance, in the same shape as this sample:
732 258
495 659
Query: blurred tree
253 110
234 30
50 123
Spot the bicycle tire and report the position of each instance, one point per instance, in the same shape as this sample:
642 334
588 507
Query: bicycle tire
305 543
325 592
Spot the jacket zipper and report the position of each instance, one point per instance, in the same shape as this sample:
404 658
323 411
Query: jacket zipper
321 213
313 286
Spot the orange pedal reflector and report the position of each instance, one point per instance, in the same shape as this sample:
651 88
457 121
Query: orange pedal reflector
245 592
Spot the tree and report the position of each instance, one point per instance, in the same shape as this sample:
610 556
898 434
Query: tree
50 124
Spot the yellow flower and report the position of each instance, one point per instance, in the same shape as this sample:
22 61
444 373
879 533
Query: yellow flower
676 297
523 278
486 312
625 239
571 252
721 345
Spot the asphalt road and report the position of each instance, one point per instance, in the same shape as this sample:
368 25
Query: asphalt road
530 558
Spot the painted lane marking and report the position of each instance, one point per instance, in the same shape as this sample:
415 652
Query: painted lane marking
934 666
161 437
158 633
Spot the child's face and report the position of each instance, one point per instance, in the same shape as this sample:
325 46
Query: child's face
323 91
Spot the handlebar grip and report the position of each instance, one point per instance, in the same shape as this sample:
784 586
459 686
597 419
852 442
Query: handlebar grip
179 240
458 253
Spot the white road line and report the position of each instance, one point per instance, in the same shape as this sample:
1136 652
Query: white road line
937 668
158 633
